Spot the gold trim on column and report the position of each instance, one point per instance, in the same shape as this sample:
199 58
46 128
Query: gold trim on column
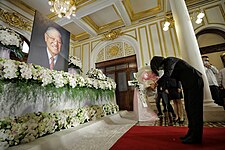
82 52
75 47
148 42
13 19
160 41
140 41
151 38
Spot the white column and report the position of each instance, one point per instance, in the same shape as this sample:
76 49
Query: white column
188 42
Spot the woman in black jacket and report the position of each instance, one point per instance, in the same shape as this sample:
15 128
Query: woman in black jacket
174 90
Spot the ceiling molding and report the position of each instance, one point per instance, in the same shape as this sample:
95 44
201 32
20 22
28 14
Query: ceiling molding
63 21
122 12
111 26
17 9
82 24
23 6
80 37
93 7
91 23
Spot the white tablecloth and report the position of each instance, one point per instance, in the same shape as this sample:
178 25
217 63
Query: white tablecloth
143 113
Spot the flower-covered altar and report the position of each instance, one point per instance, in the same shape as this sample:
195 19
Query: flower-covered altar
36 101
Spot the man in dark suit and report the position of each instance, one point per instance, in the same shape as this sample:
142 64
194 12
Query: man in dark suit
192 84
50 57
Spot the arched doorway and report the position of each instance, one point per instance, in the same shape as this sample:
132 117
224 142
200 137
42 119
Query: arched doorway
121 70
212 43
118 59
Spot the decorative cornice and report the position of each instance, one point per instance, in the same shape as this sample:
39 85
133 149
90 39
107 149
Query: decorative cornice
111 35
13 19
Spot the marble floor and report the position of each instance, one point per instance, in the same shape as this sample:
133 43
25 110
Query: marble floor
105 131
165 121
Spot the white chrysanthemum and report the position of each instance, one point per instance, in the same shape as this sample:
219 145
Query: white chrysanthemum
26 70
80 80
102 85
36 71
89 82
46 77
96 84
72 80
9 37
96 74
75 61
58 79
10 69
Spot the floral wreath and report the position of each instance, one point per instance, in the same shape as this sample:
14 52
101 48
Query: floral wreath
11 40
96 74
75 62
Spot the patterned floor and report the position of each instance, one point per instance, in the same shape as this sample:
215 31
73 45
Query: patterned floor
165 121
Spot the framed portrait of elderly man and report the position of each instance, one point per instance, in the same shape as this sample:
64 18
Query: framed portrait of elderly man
49 45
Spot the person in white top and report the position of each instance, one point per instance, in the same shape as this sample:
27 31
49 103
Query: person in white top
221 78
211 73
221 82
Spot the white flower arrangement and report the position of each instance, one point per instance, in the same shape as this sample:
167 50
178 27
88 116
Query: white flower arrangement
11 40
11 69
26 128
96 74
75 62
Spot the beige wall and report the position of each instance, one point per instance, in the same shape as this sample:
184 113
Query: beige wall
149 39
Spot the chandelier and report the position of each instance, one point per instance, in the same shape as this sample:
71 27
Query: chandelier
63 8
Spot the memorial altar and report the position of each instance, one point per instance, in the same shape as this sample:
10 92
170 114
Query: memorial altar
36 101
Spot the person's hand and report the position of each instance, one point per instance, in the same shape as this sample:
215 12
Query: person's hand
179 90
166 90
207 64
153 86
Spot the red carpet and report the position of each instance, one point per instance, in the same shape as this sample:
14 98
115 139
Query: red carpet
158 138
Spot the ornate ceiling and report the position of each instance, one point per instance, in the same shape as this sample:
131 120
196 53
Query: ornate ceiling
94 17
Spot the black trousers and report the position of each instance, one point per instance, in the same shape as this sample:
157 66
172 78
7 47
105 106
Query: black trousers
166 102
215 92
193 100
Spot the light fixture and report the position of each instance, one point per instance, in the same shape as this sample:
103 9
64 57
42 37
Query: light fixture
198 21
63 8
169 22
198 16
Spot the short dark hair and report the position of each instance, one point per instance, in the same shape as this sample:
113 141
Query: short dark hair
205 57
